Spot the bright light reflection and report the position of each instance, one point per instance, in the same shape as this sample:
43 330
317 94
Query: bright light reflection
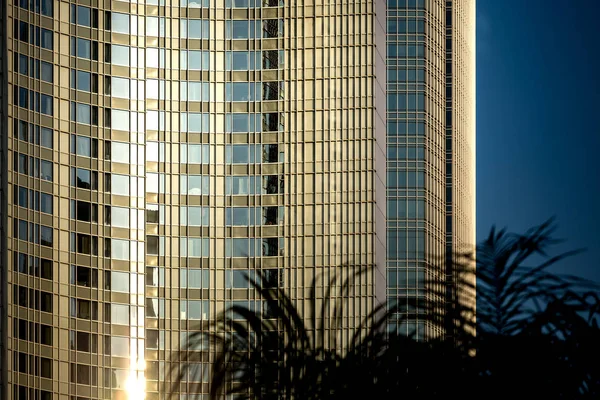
135 386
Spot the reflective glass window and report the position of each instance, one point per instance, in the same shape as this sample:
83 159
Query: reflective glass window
119 249
119 152
119 184
119 22
119 55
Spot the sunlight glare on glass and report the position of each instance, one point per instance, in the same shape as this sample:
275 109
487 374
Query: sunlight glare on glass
135 386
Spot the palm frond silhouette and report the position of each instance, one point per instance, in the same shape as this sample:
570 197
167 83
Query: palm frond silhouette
511 327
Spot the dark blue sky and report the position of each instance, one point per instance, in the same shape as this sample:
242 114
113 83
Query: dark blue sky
538 121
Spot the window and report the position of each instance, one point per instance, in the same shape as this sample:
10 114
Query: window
84 276
272 28
241 247
155 339
155 276
32 331
152 245
194 278
195 122
46 236
119 152
34 68
117 216
31 298
271 246
117 249
194 153
242 185
84 178
47 72
22 64
119 55
194 91
84 374
194 247
84 48
194 216
152 213
194 184
270 153
155 58
84 211
34 266
85 81
83 341
240 154
272 90
271 122
119 87
238 278
33 199
272 184
116 346
47 138
46 105
243 60
118 184
33 100
21 196
38 366
239 216
155 308
194 3
84 16
155 26
155 183
194 60
117 281
243 3
119 22
194 28
39 6
84 113
242 29
270 278
84 244
242 123
117 313
116 378
84 146
242 91
194 309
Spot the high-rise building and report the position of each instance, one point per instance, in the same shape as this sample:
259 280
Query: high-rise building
155 151
430 152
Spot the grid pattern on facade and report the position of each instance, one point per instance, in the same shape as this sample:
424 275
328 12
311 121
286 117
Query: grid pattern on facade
422 189
158 152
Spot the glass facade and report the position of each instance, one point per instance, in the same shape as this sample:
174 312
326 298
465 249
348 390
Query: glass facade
430 151
155 152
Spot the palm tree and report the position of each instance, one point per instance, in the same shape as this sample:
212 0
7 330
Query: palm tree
536 334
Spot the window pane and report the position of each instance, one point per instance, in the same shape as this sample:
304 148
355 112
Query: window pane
119 87
120 55
117 346
119 152
119 249
120 22
119 217
119 314
47 72
120 184
120 119
118 282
